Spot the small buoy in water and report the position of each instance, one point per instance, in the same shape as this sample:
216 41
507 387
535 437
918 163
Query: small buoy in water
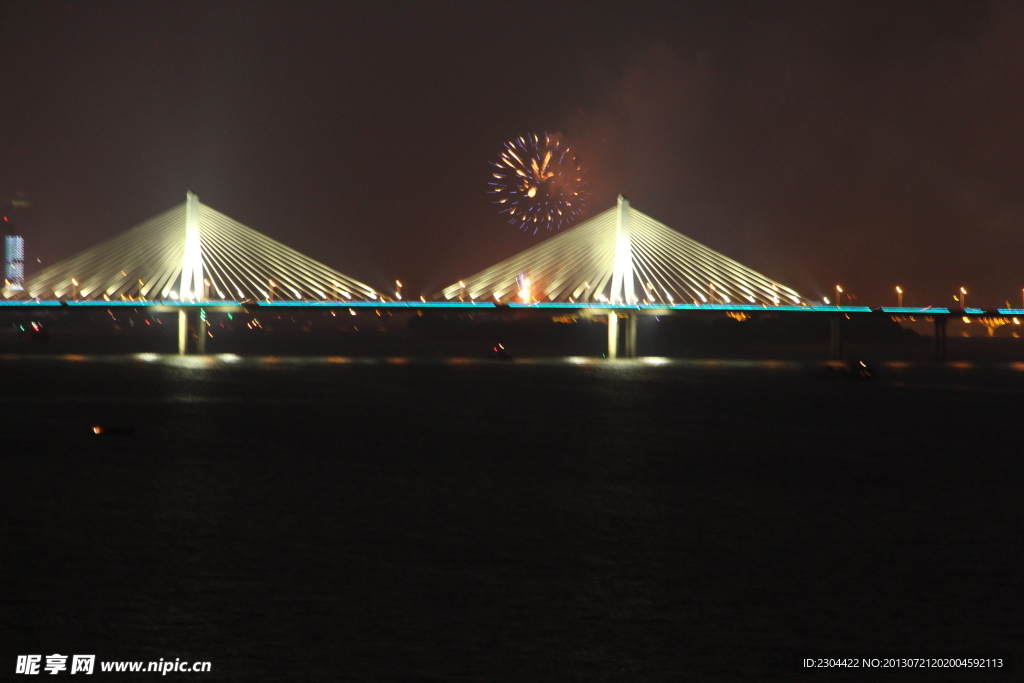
100 430
861 370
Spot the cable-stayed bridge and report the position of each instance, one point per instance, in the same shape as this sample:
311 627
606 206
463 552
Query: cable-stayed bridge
618 264
623 256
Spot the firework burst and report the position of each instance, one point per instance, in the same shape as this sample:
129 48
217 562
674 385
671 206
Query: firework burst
538 183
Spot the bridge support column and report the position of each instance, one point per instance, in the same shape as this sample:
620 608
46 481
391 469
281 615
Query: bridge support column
188 320
201 335
835 338
940 339
613 335
182 332
631 323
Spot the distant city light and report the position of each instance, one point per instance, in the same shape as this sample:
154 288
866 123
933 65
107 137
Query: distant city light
14 263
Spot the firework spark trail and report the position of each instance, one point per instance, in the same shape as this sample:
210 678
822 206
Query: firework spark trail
538 183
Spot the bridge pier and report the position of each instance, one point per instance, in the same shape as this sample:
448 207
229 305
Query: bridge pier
835 337
613 335
631 324
629 349
199 318
940 339
182 332
189 319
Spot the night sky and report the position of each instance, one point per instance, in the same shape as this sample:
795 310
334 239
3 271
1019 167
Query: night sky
863 143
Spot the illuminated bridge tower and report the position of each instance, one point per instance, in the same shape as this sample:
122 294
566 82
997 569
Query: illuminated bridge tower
622 261
191 285
622 283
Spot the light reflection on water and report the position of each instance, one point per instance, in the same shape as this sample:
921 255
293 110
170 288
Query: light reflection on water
130 383
196 362
206 362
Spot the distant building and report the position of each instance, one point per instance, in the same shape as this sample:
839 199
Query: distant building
14 263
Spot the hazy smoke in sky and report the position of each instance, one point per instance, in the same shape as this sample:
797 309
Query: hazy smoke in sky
849 145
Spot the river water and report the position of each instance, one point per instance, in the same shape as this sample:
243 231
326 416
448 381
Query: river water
459 520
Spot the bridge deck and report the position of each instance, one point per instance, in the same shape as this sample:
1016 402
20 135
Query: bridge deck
169 305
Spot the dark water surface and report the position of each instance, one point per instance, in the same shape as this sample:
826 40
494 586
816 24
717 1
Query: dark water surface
332 519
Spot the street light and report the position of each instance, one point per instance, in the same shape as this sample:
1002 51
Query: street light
839 295
899 296
963 298
74 289
398 290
